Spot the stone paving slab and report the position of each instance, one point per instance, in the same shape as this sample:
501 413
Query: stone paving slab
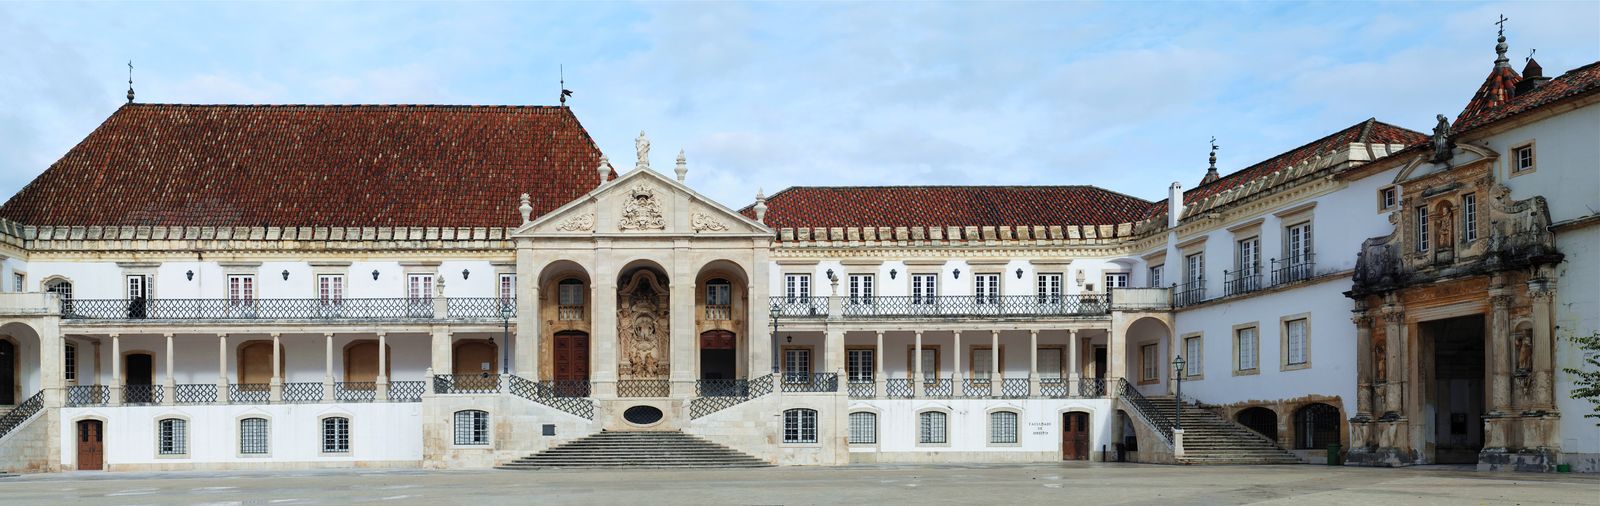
878 484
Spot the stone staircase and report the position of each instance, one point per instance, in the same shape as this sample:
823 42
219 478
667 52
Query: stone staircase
636 450
1212 439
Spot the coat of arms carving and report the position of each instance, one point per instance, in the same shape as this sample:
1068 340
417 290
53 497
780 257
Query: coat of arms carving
642 211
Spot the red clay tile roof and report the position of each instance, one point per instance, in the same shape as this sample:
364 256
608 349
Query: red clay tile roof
298 165
1496 90
938 206
1579 81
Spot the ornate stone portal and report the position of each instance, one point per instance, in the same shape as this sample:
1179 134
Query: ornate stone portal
643 328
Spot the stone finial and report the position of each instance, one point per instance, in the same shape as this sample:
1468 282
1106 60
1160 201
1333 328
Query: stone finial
526 209
1211 173
1500 46
683 166
761 205
641 148
604 169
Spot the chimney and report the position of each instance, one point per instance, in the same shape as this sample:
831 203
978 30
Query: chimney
1174 204
1532 77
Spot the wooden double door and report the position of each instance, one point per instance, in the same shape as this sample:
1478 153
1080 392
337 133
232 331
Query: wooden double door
91 445
1075 436
571 361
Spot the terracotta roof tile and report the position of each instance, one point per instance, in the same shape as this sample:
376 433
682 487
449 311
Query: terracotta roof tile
1579 81
1496 90
295 165
938 206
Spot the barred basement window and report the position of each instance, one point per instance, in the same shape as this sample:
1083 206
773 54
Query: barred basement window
931 428
336 435
800 426
1002 427
472 427
253 436
863 428
173 436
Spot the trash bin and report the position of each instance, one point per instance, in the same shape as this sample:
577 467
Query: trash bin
1333 454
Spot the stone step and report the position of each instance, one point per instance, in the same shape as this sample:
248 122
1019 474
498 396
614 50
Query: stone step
636 450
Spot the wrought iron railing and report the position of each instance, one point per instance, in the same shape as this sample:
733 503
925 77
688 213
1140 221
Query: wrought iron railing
552 394
898 388
481 383
1015 388
705 405
249 393
21 413
860 389
722 388
89 395
480 307
142 394
924 306
1193 292
570 313
719 312
977 387
1241 281
195 393
1091 387
355 391
1053 388
644 388
302 392
1292 269
406 391
1145 409
800 307
939 388
814 382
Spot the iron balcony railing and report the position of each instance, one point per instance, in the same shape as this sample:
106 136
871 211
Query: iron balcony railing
1241 281
141 394
406 391
1014 388
1053 388
249 393
284 309
482 383
939 388
570 396
302 392
195 393
862 389
644 388
814 382
705 405
91 395
1292 269
800 307
897 388
924 306
1091 387
355 391
722 388
976 387
1193 292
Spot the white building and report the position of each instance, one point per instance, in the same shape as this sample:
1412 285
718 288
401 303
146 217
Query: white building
443 286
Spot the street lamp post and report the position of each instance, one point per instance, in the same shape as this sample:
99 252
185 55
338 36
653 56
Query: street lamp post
505 316
1177 405
775 310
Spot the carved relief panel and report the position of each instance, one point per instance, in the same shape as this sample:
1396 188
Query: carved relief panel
643 328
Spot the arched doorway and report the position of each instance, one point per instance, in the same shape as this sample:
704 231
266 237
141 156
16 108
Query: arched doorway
643 327
10 378
1074 435
718 355
1148 356
564 310
91 445
255 365
1262 420
475 356
138 372
1316 426
1130 436
361 363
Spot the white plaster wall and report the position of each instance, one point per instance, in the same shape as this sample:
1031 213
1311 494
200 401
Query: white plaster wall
1565 153
9 266
1577 307
1038 431
90 280
379 432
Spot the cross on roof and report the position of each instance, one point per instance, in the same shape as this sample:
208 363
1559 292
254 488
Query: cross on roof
1502 23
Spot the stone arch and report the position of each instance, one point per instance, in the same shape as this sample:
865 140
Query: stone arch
254 359
361 362
20 374
1262 420
469 356
643 322
1316 425
565 310
1090 418
722 310
1151 373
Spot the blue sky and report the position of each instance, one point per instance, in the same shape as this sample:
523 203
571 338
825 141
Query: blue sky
1118 95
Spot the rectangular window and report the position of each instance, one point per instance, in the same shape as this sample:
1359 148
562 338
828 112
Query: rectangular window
931 427
719 294
1152 363
1295 334
797 364
860 288
241 289
569 293
1049 288
1002 427
800 426
16 281
138 286
330 289
472 428
508 287
336 435
1388 198
863 428
69 362
419 287
859 365
1116 280
1469 217
1192 358
1194 268
1248 256
1050 363
1297 243
924 288
1155 276
982 363
1245 347
1522 159
1422 228
174 437
797 287
253 436
930 365
987 288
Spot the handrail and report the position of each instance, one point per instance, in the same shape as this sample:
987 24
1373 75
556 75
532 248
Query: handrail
24 410
1145 409
708 404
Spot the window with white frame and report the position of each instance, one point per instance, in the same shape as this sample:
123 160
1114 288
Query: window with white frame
1116 280
1295 341
1522 159
1050 288
17 279
172 436
419 287
138 286
1192 358
924 288
1388 198
1155 276
1245 344
241 289
336 435
1148 355
1050 363
1469 217
859 365
508 288
1003 427
330 289
931 427
719 292
797 287
863 428
1194 268
986 287
472 427
1247 257
1422 228
860 288
1297 243
982 363
69 362
930 365
253 436
797 364
800 426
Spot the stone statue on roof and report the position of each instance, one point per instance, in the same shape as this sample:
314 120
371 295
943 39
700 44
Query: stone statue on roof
1442 147
641 146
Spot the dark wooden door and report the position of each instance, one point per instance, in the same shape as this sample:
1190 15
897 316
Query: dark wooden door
572 363
91 445
718 355
1075 436
8 373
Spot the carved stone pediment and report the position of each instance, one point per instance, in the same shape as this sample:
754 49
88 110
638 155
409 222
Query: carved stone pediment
643 202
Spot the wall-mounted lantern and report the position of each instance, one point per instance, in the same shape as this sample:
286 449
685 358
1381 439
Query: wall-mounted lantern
189 275
1019 273
286 274
374 274
958 273
465 273
892 272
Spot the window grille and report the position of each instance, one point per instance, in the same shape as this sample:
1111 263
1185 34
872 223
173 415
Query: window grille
253 436
472 427
1002 427
336 435
863 428
173 438
800 426
931 428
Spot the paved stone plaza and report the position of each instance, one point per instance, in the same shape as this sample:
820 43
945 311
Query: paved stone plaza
989 484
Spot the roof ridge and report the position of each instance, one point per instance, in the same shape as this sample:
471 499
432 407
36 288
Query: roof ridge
335 106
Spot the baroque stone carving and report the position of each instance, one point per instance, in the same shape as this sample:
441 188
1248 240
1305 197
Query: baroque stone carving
579 223
1442 147
707 223
643 327
642 211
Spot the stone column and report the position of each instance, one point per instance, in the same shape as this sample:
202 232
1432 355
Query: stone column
527 320
834 352
382 392
1074 364
440 360
603 338
916 366
957 388
327 359
1542 291
171 383
1116 347
1394 317
275 389
996 374
877 367
681 338
115 390
1363 324
1033 363
222 367
1499 355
